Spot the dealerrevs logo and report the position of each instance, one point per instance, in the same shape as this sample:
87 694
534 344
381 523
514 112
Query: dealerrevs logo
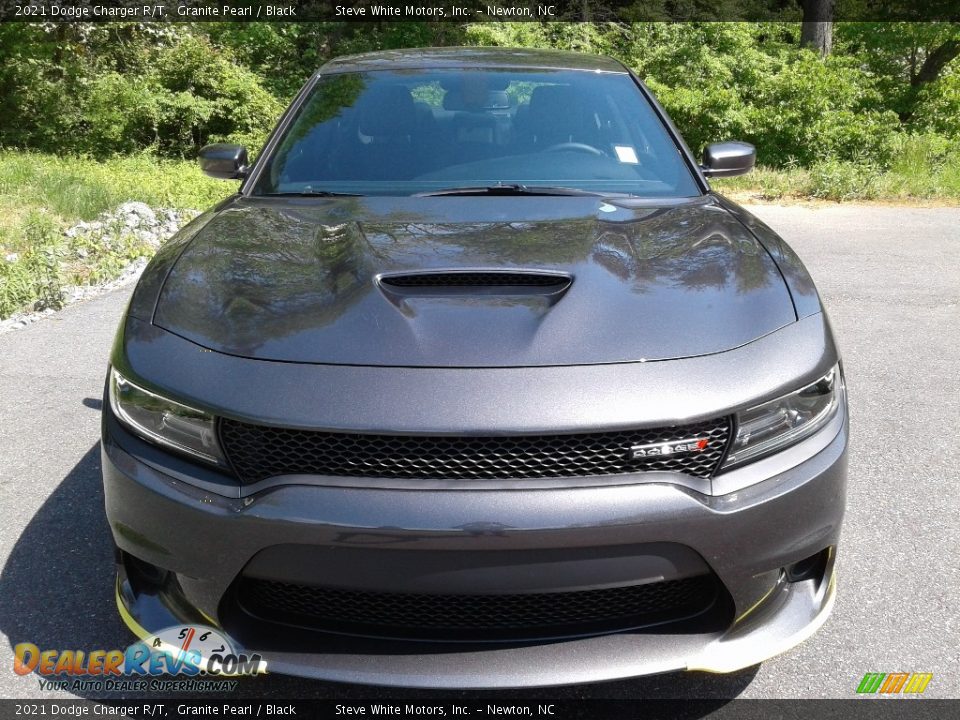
680 447
185 651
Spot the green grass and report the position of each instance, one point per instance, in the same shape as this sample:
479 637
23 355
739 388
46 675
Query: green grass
42 195
80 189
921 168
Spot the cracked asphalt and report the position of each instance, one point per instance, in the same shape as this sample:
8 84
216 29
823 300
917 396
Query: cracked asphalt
890 278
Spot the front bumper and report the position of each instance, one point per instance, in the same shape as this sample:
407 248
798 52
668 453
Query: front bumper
450 539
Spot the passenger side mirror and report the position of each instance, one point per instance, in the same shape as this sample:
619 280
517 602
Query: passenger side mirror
224 162
726 159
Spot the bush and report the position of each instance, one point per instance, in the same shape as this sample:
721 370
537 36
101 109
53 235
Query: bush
749 82
810 110
923 165
182 93
204 97
120 114
938 107
701 74
835 180
33 275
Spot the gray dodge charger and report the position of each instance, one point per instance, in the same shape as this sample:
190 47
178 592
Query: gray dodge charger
476 383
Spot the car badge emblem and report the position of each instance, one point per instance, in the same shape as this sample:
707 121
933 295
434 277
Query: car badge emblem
679 447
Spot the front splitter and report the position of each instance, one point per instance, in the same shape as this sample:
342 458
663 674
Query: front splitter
790 614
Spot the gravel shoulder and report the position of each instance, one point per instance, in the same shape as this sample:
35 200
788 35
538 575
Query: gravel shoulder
132 224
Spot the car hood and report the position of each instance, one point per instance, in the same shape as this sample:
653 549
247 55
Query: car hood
307 280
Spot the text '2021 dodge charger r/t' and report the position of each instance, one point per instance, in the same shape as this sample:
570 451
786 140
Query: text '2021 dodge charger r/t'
475 383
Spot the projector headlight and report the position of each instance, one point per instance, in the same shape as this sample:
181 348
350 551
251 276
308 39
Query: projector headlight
164 421
767 428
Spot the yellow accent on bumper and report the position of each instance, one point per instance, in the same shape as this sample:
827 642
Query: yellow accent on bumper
729 658
135 627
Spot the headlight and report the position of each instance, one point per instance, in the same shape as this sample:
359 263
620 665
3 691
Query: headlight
164 421
766 428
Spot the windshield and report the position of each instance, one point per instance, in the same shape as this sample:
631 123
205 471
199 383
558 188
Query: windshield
410 132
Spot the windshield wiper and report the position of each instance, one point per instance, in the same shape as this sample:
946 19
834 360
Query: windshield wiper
517 189
311 193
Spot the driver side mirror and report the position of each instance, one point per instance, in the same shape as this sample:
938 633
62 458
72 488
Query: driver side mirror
224 162
726 159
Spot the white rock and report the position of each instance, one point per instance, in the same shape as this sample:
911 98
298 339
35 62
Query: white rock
136 208
132 218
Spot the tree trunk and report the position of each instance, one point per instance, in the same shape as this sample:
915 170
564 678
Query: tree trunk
817 32
936 60
931 69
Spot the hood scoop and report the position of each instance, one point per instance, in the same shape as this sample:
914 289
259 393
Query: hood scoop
476 282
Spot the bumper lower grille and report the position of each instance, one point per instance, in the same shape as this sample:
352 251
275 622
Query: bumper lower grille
257 452
483 617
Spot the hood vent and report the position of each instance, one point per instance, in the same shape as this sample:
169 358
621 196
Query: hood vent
551 282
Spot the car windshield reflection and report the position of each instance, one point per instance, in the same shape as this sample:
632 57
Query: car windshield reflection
424 131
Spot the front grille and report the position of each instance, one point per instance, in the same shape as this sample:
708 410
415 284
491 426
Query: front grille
476 279
257 452
485 617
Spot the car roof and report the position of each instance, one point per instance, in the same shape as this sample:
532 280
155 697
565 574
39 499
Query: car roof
472 57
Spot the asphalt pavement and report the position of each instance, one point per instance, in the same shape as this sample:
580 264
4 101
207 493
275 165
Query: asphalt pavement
890 278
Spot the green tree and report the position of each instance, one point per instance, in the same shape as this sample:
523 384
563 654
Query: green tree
910 57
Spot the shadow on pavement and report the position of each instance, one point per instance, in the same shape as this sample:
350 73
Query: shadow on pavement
57 587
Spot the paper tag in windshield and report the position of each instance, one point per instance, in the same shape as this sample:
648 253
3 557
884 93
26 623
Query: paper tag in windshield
626 154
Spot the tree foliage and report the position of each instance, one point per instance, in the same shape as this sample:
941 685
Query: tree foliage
118 88
115 89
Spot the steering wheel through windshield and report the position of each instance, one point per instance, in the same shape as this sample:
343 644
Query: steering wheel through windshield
579 147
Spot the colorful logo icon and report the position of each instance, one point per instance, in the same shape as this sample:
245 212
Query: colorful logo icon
188 650
894 683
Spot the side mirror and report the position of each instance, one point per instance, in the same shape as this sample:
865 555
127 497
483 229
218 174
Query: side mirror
725 159
224 162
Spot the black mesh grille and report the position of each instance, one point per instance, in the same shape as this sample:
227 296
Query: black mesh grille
257 452
475 279
516 616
